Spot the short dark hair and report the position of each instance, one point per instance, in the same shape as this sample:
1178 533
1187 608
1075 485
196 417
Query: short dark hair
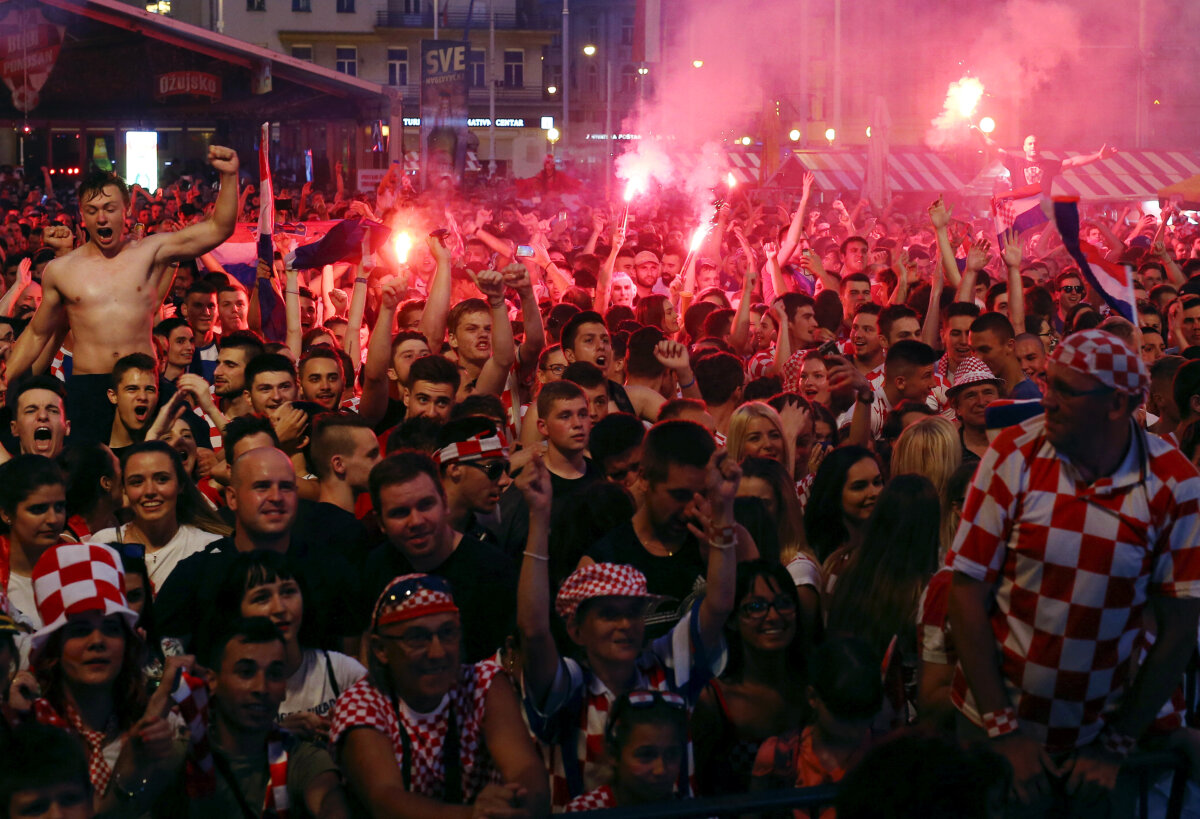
417 433
585 374
1185 385
36 382
248 341
613 434
169 325
994 322
640 360
202 286
253 630
401 467
134 361
40 756
676 407
96 181
330 435
268 363
678 442
849 240
322 351
718 376
435 369
889 315
907 354
463 308
860 278
571 329
486 405
717 323
794 301
23 474
562 390
243 425
961 308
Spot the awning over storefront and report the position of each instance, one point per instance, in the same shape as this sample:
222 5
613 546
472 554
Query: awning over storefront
1127 176
909 171
412 162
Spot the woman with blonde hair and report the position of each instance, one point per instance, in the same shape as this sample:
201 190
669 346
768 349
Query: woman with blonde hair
930 447
756 430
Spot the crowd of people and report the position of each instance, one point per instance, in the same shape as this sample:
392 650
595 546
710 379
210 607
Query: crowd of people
505 503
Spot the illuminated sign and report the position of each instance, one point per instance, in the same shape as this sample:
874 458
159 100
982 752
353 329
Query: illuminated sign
197 83
475 122
141 159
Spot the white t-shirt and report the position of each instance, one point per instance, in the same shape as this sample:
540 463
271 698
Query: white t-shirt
22 601
310 688
159 564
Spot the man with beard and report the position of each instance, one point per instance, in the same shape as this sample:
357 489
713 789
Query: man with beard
1078 525
647 274
410 505
321 378
234 352
108 290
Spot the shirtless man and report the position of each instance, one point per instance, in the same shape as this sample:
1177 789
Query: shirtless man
107 290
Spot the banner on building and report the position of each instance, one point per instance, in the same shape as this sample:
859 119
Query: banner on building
29 46
444 83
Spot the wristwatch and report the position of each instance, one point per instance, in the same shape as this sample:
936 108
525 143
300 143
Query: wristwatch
867 397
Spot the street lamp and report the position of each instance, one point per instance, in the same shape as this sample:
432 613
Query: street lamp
552 134
794 135
589 50
552 89
987 125
745 140
830 135
697 63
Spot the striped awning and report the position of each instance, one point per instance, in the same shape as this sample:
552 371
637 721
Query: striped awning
909 171
1129 175
744 165
412 162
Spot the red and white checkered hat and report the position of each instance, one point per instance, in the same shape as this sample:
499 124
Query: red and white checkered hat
600 580
475 448
72 578
971 370
410 596
1106 358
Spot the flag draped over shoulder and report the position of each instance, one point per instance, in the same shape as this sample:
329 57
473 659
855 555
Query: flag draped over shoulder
266 197
1114 282
343 243
1019 215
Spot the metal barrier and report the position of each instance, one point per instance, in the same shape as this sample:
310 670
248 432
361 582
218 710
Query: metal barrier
1144 767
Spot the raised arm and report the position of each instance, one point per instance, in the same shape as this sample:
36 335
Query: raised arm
1087 159
198 239
739 334
358 306
977 257
291 308
931 326
939 216
494 374
541 657
725 539
599 220
792 240
437 300
903 268
47 321
604 280
373 403
1011 254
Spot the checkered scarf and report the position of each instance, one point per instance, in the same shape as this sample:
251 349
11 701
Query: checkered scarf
99 771
475 448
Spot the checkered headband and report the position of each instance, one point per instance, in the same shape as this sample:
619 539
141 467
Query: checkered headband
72 578
1104 357
475 448
600 580
411 596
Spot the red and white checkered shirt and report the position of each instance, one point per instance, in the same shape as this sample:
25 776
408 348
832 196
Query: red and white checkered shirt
933 624
598 799
362 705
1072 565
760 363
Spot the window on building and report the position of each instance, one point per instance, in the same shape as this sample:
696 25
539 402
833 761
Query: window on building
256 5
303 52
477 68
626 31
593 30
301 5
593 79
347 60
514 69
412 6
345 6
397 62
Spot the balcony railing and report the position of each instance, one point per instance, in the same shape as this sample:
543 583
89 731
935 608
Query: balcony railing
505 19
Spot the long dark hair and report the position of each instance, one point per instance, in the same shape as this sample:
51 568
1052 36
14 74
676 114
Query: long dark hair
877 592
824 522
191 509
85 465
129 688
248 571
651 311
747 573
21 477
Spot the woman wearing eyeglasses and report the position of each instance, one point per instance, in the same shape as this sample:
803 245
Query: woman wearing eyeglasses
423 731
264 584
646 737
169 515
761 692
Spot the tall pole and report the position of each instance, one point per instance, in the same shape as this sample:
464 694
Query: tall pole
435 19
1140 99
837 67
491 81
804 107
566 75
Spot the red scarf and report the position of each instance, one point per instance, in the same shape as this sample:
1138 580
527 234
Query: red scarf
99 771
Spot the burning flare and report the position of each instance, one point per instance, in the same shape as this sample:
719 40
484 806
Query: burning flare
402 243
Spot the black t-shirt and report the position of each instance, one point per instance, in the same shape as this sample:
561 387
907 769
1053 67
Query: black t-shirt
484 583
678 577
1023 173
326 526
513 529
185 606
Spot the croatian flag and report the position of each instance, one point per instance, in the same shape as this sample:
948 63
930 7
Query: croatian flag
266 197
1113 282
1017 214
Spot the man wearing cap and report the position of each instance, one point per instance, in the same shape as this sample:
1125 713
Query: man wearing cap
424 731
975 386
411 507
603 604
647 274
1076 520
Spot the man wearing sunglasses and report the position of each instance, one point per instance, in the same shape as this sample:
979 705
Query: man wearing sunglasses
472 457
1075 521
1069 292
